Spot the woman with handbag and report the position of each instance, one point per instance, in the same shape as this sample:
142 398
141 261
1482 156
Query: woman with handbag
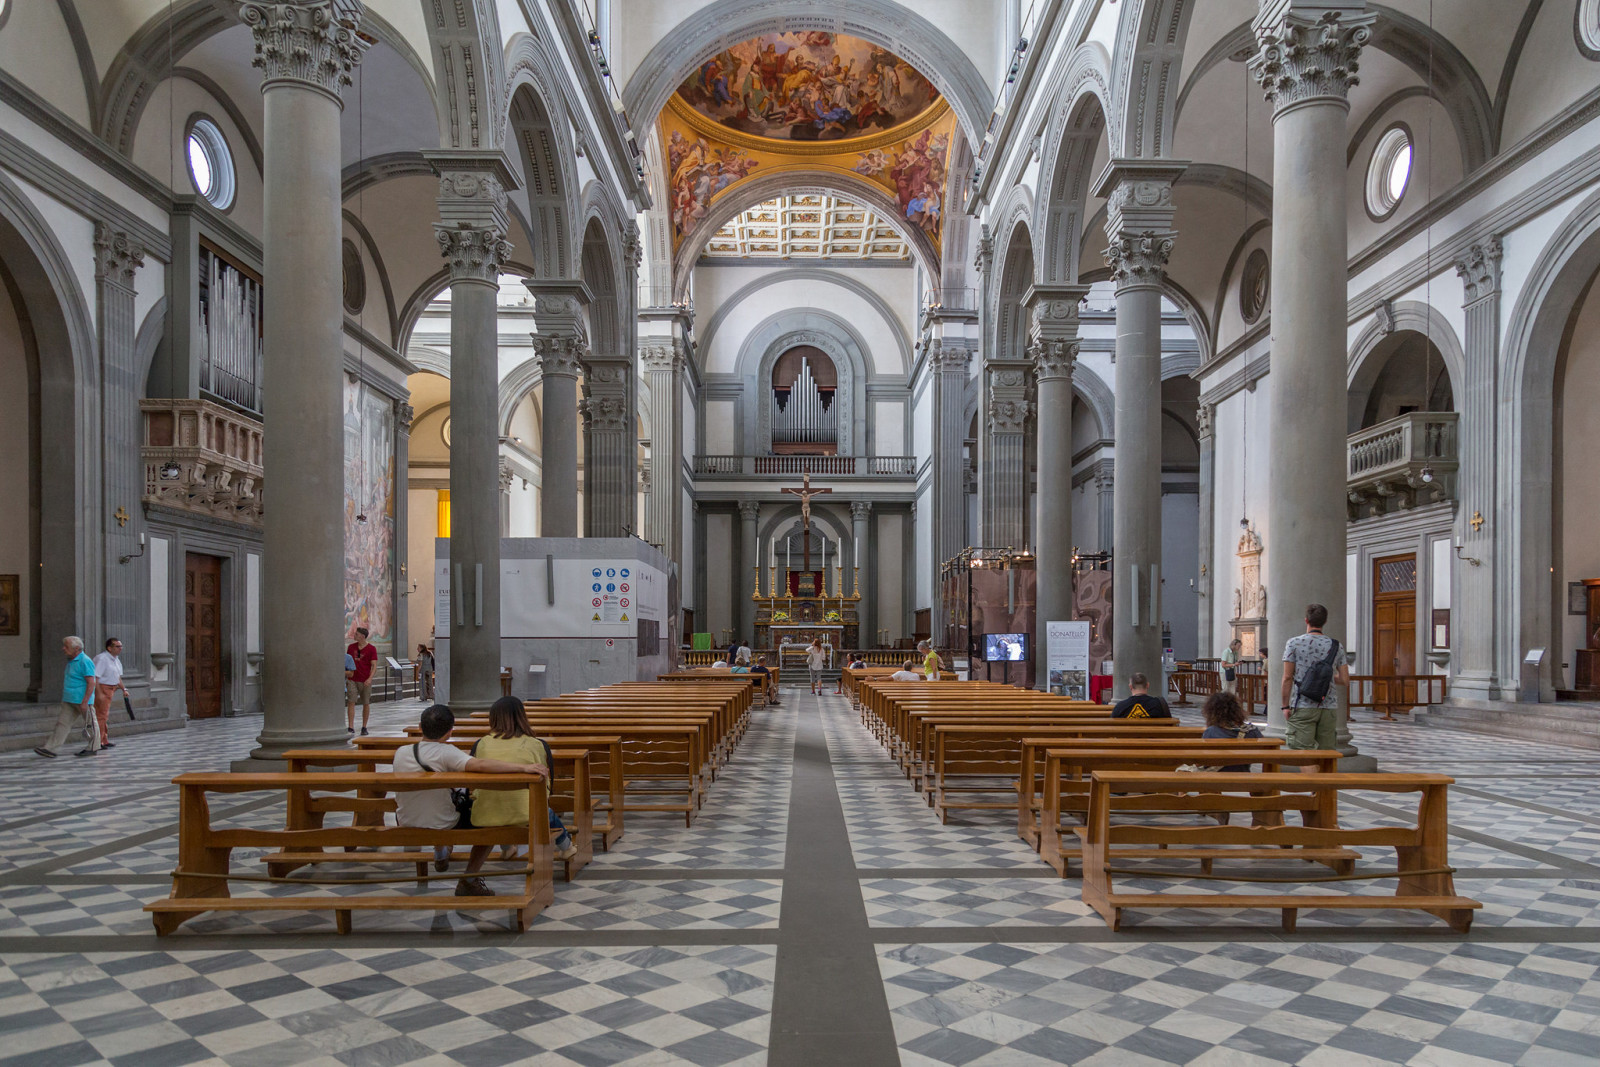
1230 665
511 740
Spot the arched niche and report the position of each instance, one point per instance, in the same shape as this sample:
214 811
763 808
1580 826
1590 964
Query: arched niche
829 334
1408 341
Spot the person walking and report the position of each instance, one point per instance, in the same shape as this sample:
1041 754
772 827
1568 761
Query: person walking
77 699
815 658
1313 666
359 683
1230 665
930 661
107 680
425 669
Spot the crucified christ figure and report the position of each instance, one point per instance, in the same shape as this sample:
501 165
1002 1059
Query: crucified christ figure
805 493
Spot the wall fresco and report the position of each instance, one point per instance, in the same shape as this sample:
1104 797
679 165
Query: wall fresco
369 548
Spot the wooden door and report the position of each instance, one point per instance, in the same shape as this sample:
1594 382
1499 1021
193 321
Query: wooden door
202 635
1394 627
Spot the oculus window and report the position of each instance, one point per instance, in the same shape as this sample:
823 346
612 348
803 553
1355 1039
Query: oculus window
1389 173
1586 25
210 163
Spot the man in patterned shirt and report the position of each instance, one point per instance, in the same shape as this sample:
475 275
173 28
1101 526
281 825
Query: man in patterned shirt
1311 723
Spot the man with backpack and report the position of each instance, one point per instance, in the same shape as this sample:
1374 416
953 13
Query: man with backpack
1313 664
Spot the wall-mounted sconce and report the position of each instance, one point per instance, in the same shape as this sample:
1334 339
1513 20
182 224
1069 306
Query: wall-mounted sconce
134 555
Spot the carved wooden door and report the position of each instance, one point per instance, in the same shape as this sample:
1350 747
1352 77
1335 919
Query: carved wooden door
202 635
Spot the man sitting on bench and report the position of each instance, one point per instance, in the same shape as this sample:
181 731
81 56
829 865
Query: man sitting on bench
436 809
1139 704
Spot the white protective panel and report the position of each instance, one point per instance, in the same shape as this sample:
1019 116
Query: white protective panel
627 591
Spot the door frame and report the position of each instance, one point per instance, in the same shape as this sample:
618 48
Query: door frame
1416 611
241 693
1380 537
224 636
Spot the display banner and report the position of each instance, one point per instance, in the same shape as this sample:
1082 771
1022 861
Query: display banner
1067 658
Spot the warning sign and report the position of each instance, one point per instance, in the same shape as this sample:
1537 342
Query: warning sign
597 617
624 617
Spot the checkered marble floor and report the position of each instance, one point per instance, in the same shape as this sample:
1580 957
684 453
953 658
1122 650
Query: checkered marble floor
669 948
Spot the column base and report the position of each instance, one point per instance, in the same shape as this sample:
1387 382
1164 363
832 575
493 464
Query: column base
270 746
1357 763
1473 686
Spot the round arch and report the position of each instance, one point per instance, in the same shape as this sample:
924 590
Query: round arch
608 294
774 183
1016 273
892 25
837 340
544 148
808 274
777 519
1066 158
1526 593
525 378
1412 316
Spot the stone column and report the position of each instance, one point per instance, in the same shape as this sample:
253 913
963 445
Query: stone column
117 260
1205 418
1306 66
471 235
1138 221
1105 486
1475 629
749 582
507 476
1004 474
1054 346
949 361
855 566
663 360
610 448
560 348
306 52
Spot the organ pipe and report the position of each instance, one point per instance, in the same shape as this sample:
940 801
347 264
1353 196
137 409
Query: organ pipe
807 416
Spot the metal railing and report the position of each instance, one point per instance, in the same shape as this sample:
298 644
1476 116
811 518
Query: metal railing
953 299
845 466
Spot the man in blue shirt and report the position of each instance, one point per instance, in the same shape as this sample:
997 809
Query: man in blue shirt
77 699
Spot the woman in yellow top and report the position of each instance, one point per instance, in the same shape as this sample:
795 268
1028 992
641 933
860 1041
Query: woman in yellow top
511 738
930 661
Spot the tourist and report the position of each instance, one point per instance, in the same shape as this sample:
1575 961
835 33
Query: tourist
440 809
1225 720
510 740
930 661
107 680
1230 665
815 658
769 691
77 699
359 683
1313 669
425 671
906 673
1139 704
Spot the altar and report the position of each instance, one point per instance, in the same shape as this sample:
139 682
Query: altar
831 634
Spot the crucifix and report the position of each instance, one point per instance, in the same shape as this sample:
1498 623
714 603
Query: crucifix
805 493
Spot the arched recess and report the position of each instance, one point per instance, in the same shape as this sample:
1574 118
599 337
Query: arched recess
59 348
820 329
147 59
1180 297
785 519
1527 594
1369 353
1016 278
1145 66
523 380
1067 157
1094 392
894 26
606 304
544 146
731 303
792 182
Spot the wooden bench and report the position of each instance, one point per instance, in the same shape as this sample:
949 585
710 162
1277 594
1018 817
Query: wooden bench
569 768
200 882
1193 683
1425 881
916 751
1067 779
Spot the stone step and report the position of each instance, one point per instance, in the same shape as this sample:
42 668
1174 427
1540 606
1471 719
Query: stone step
27 726
1557 724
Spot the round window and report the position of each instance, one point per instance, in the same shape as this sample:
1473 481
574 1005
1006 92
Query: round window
210 163
1586 24
1389 173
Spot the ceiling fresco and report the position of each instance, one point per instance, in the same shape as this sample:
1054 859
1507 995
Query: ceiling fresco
809 86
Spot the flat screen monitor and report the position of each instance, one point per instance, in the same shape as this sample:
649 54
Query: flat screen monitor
1005 648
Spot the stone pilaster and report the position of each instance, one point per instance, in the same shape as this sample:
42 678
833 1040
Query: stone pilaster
1004 475
117 260
663 361
1054 347
855 568
1205 418
1306 66
404 415
950 361
610 455
306 52
471 236
749 582
1105 488
561 350
1475 626
1138 222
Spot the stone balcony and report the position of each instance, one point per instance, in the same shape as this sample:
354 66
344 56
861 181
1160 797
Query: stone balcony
202 458
875 467
1406 462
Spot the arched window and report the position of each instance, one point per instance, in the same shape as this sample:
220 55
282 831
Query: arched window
805 387
1389 173
210 163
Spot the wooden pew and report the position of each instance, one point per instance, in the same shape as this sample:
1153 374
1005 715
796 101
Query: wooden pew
1067 773
200 882
1422 868
570 766
916 751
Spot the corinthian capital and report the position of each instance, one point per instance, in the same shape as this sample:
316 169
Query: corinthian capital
560 355
1053 358
664 357
1205 417
1480 269
604 412
946 358
749 510
1140 258
475 253
117 257
313 42
1310 51
1009 416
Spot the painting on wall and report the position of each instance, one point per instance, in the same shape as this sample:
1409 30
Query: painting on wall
369 523
699 171
915 171
808 86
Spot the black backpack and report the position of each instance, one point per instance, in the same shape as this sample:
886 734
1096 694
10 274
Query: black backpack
1319 678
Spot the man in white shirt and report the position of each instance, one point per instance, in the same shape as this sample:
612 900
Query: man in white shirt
907 673
434 808
107 680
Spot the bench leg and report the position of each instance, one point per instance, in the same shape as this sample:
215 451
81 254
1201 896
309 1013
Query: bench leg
1290 917
196 859
341 920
